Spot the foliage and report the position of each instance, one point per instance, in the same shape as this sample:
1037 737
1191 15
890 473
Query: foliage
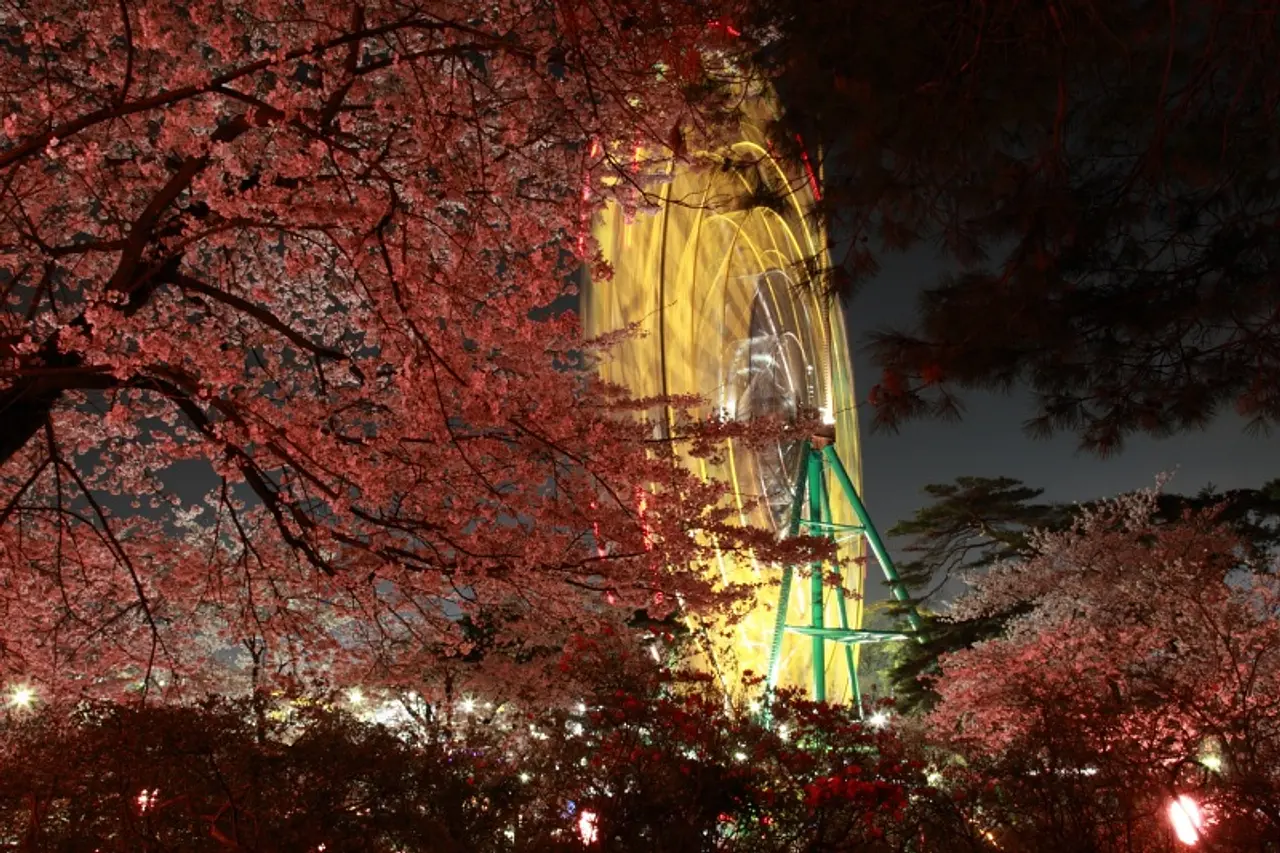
299 257
1145 649
1102 174
655 773
978 522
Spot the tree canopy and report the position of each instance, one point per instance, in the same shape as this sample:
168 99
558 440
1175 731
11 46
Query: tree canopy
301 256
1146 660
976 523
1101 175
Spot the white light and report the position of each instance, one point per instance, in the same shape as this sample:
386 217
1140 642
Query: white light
524 777
1184 814
754 706
575 729
468 705
828 416
22 697
147 799
653 653
878 720
783 734
355 696
739 756
587 827
582 707
933 778
1212 762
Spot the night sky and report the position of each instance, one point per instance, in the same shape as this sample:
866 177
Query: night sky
990 442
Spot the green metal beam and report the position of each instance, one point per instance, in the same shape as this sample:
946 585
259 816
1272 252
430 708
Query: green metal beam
784 593
817 616
823 525
873 536
849 635
841 604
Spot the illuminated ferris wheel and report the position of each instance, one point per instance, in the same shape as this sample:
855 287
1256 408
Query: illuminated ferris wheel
721 283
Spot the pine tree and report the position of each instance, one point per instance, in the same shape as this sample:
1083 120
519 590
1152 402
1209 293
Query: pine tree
1104 176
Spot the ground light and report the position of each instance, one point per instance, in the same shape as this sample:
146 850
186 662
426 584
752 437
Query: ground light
1187 821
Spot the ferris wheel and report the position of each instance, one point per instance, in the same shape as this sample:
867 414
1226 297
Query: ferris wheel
721 282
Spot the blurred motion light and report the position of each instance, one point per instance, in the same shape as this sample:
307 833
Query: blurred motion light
1184 814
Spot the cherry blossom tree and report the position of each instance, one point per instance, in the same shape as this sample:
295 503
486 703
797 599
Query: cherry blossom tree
305 254
1146 664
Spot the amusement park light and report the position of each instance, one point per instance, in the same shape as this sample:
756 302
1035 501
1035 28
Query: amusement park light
22 697
1184 814
878 720
355 696
468 705
587 827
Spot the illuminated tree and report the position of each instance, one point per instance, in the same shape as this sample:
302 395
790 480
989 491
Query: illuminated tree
1147 663
303 256
627 771
976 522
1103 175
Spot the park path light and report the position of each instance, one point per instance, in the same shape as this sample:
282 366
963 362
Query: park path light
1187 821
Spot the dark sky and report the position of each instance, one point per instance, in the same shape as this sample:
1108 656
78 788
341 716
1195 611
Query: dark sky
990 441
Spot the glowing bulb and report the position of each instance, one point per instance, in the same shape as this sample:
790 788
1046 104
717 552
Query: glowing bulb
878 720
524 777
1184 814
739 756
783 734
355 696
22 697
468 705
147 799
1212 762
828 416
587 827
582 707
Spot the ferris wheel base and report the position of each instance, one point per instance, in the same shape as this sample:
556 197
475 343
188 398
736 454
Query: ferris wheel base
811 513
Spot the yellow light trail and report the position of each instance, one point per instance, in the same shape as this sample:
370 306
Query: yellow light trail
720 282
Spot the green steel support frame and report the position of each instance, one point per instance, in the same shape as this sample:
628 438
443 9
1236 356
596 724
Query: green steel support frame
817 454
